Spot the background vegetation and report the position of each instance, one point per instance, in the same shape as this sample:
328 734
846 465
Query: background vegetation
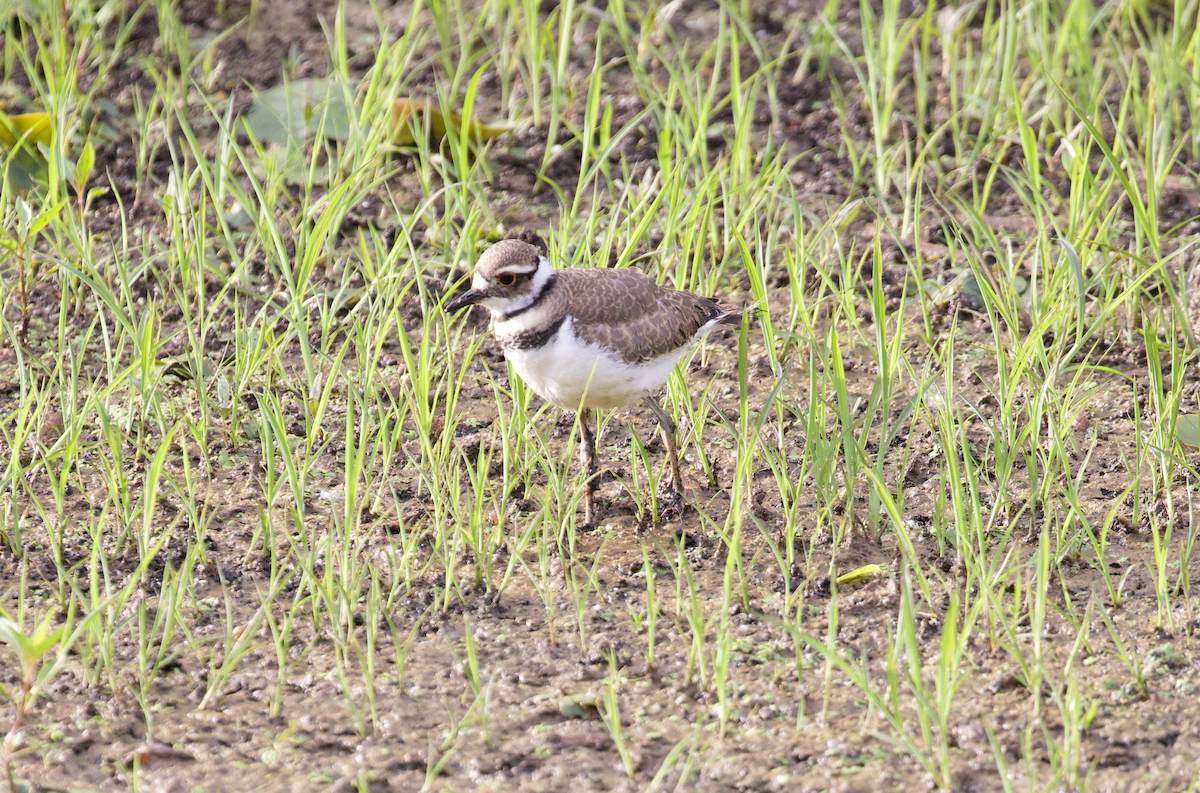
265 502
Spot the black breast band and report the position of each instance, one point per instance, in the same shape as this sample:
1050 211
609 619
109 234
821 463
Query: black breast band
533 338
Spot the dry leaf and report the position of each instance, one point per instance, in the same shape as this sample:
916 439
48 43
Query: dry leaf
152 751
406 118
52 428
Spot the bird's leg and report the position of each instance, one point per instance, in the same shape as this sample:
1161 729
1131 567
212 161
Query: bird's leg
587 458
667 426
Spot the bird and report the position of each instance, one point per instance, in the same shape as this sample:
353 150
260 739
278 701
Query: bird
590 338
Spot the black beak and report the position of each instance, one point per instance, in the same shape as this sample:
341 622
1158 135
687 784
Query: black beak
468 298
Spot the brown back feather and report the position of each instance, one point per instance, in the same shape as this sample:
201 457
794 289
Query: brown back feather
627 312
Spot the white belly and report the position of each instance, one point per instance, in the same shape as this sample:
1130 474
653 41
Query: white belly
569 372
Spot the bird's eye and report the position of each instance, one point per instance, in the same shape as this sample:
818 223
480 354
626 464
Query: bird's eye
508 279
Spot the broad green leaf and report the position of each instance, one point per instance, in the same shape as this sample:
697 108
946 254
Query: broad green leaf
87 161
294 111
45 216
580 706
25 215
25 168
1187 430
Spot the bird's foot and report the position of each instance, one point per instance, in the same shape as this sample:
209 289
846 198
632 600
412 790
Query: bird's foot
671 503
672 489
670 494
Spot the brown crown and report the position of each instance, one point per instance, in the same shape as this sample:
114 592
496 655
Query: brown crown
505 254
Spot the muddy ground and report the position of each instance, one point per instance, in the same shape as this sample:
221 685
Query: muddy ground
787 730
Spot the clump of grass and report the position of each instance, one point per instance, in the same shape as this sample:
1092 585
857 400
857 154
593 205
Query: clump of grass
969 309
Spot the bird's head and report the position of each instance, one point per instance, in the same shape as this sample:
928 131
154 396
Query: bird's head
508 277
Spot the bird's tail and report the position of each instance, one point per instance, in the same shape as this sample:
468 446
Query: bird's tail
724 315
720 315
729 316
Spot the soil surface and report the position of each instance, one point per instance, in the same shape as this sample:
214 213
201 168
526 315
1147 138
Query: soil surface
790 723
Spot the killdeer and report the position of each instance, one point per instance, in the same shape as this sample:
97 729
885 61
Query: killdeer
590 338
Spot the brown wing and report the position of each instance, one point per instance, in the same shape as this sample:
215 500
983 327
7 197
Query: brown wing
627 312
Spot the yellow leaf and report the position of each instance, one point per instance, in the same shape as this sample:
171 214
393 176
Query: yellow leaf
406 117
860 576
35 127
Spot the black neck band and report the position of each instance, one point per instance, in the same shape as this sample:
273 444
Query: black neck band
546 288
